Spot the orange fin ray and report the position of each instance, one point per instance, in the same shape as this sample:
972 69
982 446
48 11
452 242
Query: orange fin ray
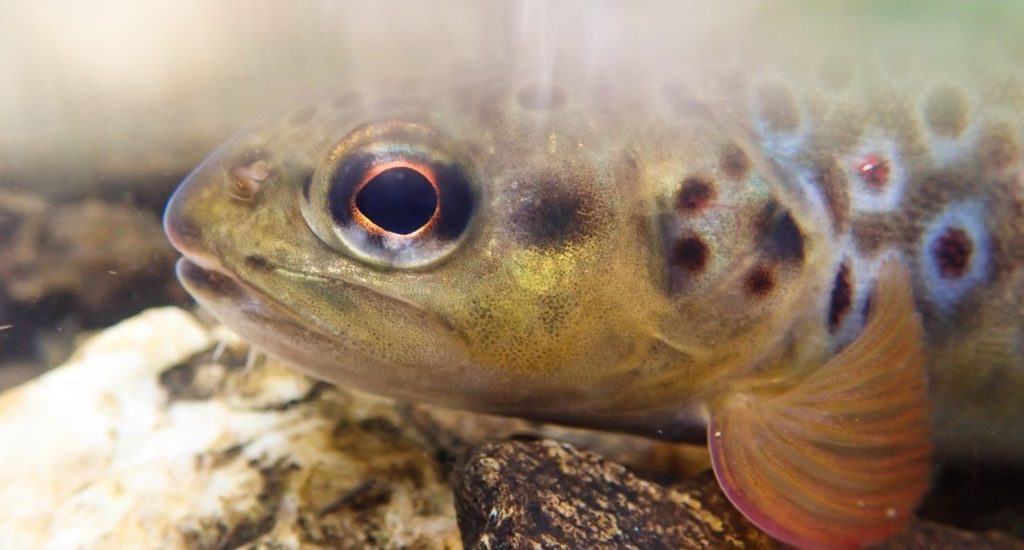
841 459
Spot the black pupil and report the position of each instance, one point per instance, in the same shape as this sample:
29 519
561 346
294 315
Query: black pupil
399 200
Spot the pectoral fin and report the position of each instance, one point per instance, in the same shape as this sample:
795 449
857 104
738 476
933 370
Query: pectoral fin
842 458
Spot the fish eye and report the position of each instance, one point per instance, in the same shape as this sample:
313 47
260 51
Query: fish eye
396 198
391 195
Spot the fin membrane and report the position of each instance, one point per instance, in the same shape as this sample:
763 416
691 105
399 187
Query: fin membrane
842 458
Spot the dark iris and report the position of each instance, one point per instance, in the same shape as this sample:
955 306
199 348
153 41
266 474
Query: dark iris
399 200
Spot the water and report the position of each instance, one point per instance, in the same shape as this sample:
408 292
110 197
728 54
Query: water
105 108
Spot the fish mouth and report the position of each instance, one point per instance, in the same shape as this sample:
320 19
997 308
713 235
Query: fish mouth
303 341
260 319
227 297
267 322
199 280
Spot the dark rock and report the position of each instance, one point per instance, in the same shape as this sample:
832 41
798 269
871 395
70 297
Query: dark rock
545 494
530 494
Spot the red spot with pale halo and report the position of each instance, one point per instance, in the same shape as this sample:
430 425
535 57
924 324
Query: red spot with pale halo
874 170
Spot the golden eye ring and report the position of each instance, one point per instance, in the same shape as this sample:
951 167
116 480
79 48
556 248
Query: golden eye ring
426 173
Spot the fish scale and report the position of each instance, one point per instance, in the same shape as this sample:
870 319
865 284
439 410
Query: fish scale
811 254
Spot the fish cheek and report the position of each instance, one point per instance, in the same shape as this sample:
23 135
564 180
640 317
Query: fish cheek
407 342
531 307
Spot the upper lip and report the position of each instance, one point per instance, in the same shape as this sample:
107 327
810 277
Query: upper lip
186 239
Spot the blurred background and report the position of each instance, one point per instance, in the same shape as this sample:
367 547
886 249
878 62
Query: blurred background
105 106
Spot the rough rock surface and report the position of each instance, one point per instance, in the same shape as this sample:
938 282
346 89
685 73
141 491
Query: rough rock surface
545 494
158 433
529 494
142 441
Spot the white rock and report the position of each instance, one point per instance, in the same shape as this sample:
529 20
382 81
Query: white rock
139 441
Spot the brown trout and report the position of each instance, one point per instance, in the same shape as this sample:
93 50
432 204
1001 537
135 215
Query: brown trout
806 246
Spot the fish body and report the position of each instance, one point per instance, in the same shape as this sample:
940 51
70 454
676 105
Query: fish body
818 263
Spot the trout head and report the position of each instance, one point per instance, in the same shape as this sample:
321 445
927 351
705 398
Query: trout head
526 248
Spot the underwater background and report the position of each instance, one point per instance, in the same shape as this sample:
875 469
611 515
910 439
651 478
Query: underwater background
106 107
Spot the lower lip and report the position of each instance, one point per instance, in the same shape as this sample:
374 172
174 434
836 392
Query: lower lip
198 280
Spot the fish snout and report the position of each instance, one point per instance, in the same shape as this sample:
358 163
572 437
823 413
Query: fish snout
183 228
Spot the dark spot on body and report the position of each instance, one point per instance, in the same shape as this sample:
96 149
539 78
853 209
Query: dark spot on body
690 254
680 98
953 252
776 107
302 116
549 213
841 298
346 100
540 97
781 239
760 281
734 161
696 193
258 263
946 111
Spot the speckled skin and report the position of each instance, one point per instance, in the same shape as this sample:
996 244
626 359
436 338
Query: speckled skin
641 232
